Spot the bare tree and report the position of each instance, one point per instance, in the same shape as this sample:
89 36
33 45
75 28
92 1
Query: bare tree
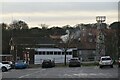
68 39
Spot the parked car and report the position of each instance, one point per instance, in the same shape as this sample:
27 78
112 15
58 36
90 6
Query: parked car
105 61
74 62
119 62
21 64
10 63
4 67
48 63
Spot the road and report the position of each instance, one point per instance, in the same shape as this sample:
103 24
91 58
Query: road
63 72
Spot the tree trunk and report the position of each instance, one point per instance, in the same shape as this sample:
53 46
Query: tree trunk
65 56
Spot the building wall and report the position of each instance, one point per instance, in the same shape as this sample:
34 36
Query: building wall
87 55
55 54
84 55
57 58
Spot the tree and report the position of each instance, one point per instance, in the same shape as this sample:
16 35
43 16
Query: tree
44 26
67 27
5 35
18 24
55 30
4 26
115 25
68 39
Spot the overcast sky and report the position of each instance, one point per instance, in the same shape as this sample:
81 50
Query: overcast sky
58 13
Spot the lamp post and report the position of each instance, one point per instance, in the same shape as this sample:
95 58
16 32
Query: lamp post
12 48
100 43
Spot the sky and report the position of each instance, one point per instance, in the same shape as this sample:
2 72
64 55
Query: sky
57 13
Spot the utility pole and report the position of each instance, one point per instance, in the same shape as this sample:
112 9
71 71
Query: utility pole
12 48
100 43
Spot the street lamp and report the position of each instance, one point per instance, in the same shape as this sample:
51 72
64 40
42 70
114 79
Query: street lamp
100 19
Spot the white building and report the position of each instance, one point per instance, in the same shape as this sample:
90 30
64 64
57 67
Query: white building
56 54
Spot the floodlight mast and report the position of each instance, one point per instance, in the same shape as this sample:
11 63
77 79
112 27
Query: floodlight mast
100 20
100 44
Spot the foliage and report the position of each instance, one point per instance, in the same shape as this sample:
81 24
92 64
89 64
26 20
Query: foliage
115 25
18 25
4 26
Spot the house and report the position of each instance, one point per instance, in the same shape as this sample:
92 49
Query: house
25 47
55 54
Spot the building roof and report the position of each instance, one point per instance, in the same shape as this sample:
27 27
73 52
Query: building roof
51 49
33 40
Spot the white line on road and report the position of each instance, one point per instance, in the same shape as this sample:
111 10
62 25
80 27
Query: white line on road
29 74
43 69
96 67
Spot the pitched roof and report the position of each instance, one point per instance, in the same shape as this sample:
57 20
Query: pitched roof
33 40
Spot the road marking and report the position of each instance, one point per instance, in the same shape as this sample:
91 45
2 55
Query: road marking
67 75
43 69
86 74
29 74
96 67
83 74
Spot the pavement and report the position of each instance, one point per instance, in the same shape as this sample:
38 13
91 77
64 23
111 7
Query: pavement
63 72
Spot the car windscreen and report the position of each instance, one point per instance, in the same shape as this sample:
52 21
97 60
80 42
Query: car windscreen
20 61
46 60
106 59
5 62
74 60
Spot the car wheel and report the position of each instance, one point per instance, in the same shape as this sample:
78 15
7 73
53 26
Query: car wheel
4 69
119 66
101 66
80 66
42 66
111 66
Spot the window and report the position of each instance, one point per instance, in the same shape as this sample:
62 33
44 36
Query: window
47 53
36 52
59 53
67 53
70 53
106 59
43 53
51 53
55 53
40 53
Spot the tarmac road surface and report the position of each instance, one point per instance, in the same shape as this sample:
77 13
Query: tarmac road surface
63 72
